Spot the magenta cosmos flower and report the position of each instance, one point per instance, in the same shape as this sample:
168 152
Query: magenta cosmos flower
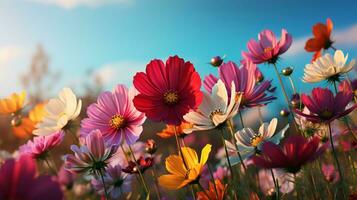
115 116
244 79
41 145
19 180
93 156
324 107
267 49
168 92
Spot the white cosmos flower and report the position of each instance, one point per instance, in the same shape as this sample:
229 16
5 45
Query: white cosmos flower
215 109
328 68
249 142
59 112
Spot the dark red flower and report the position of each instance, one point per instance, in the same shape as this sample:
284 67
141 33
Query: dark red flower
142 163
324 107
18 181
295 152
168 92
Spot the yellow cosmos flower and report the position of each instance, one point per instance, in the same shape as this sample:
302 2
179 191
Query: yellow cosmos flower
37 113
13 103
184 172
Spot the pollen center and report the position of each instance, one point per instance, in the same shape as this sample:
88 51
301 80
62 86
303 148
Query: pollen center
256 140
326 114
171 98
268 49
117 122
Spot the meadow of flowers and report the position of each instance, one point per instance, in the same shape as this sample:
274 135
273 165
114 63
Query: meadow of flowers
69 149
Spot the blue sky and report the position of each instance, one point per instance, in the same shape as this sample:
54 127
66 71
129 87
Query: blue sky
115 38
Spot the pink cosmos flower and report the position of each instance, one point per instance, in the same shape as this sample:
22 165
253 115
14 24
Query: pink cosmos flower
65 178
41 145
267 49
168 91
324 107
266 182
92 156
221 173
18 180
115 116
331 175
244 79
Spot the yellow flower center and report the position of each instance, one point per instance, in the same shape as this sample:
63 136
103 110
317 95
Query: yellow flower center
268 49
117 122
256 140
171 98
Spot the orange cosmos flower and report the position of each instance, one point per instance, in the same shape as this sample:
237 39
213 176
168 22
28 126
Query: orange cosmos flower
169 131
321 40
13 103
211 192
37 113
184 172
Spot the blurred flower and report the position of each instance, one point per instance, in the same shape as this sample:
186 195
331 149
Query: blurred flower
267 49
115 116
41 145
116 182
169 131
216 61
151 146
167 92
37 113
250 143
348 86
65 178
12 104
23 128
92 157
266 182
4 155
215 109
328 68
324 107
211 192
347 146
309 128
244 81
60 112
81 189
295 152
184 172
18 180
321 40
142 163
123 154
221 173
331 175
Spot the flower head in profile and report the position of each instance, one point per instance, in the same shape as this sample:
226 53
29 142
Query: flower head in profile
41 145
12 104
267 48
115 116
19 180
93 156
210 193
330 173
249 142
215 109
60 113
116 182
141 164
321 40
295 152
170 130
244 78
324 107
168 91
184 172
326 68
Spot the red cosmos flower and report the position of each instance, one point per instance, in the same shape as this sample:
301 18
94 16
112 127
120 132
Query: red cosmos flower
168 92
324 107
143 164
294 153
321 40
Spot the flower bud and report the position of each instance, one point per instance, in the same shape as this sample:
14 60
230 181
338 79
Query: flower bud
287 71
284 112
296 102
150 146
216 61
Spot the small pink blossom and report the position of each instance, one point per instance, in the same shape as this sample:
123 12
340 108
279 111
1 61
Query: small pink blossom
330 173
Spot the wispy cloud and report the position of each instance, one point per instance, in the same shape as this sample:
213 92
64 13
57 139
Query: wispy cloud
344 38
70 4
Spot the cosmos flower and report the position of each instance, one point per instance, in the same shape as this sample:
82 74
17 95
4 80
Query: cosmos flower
266 182
116 182
19 180
328 68
221 173
324 107
41 145
37 113
60 113
330 173
295 152
244 79
12 104
184 172
211 191
321 40
93 156
215 108
115 116
142 163
169 130
249 142
23 128
168 91
267 49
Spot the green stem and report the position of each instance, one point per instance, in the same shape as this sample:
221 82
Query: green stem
105 188
212 178
241 119
275 184
140 174
230 127
227 156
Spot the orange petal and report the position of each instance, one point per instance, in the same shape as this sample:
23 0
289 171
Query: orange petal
172 182
175 166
